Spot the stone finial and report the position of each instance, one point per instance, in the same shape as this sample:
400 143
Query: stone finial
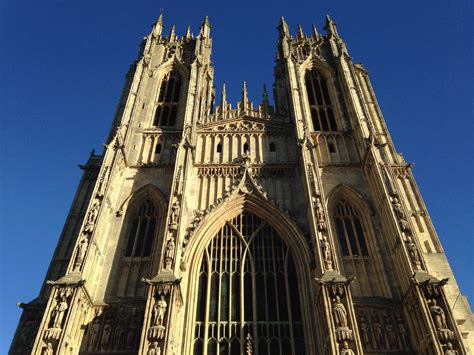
300 31
315 31
330 27
223 98
172 35
158 26
188 35
283 28
205 27
245 98
265 96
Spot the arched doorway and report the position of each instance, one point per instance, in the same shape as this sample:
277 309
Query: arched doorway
248 292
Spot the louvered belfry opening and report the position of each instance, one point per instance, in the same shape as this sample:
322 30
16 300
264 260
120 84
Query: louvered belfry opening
248 293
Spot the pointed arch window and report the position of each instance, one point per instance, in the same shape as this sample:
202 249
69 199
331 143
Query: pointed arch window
248 289
140 230
168 99
322 110
356 255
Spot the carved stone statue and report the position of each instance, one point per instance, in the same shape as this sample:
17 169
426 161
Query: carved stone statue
169 253
339 313
94 332
58 312
364 329
175 209
92 216
413 252
81 252
392 339
319 213
326 248
118 336
449 349
438 315
378 330
397 207
48 350
106 332
159 310
154 349
345 350
402 330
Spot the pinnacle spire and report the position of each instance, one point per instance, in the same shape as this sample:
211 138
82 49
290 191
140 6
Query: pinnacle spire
330 27
283 27
187 35
265 95
300 31
223 97
172 35
315 31
158 26
245 98
205 27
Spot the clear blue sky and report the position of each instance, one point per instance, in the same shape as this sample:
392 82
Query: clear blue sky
62 65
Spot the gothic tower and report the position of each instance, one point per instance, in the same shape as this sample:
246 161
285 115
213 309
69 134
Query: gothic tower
256 229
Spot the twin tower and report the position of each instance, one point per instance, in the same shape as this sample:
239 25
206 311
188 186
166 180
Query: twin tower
209 228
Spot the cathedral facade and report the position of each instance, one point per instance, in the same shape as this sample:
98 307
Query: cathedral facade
209 228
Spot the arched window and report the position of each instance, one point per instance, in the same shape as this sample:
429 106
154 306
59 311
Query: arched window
355 253
140 228
248 288
168 99
322 111
219 148
246 147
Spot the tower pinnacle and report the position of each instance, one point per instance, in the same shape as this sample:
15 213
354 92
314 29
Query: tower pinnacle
187 35
205 28
223 97
158 26
300 31
330 27
315 31
283 28
245 98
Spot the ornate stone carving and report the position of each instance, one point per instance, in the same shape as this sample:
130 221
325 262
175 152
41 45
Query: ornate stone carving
382 328
345 350
157 329
81 252
320 217
398 210
174 216
48 349
169 253
58 313
339 313
327 256
154 349
450 350
159 311
413 253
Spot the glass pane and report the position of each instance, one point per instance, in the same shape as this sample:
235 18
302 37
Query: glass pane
361 237
131 237
341 237
149 237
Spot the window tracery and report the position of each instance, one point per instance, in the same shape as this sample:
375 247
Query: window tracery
321 107
355 252
142 226
168 98
247 290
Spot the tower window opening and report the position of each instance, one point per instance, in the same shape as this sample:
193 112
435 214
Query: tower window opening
246 148
272 147
168 99
322 113
219 148
158 149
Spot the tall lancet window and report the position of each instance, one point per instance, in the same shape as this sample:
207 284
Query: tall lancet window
140 231
248 292
354 249
322 110
168 99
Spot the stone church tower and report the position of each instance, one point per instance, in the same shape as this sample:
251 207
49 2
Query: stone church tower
250 229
